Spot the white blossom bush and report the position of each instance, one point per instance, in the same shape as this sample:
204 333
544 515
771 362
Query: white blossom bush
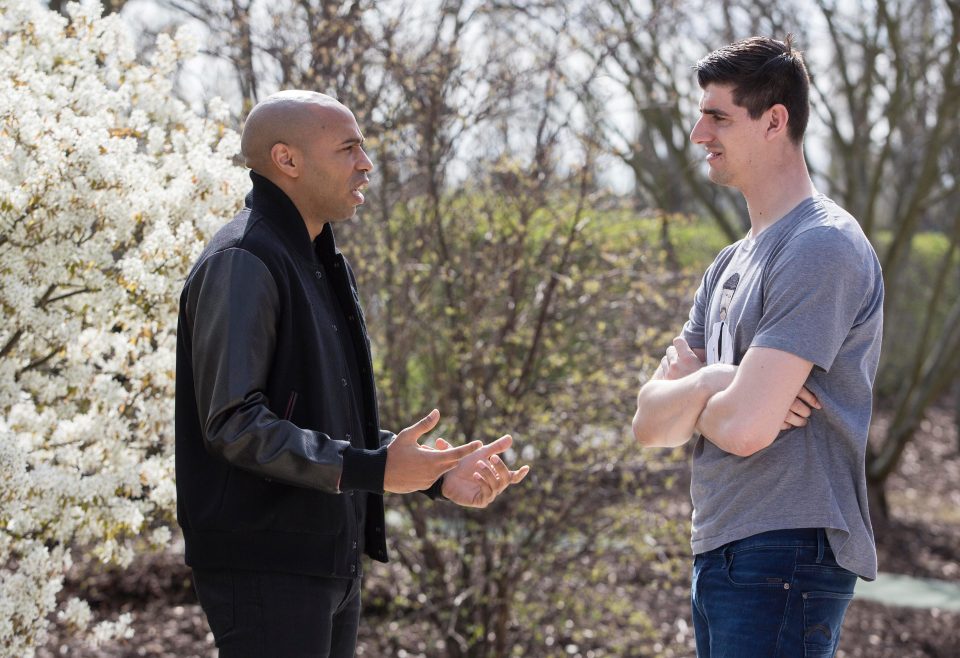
109 187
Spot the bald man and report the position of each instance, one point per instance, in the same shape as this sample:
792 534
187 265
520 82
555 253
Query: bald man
280 458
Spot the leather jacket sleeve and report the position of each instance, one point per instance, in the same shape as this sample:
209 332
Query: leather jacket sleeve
231 310
386 438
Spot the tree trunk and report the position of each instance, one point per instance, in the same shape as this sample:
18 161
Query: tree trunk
879 509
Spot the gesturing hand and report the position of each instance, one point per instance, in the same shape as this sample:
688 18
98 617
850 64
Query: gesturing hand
800 410
482 476
413 467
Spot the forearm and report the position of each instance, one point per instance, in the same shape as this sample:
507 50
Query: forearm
740 427
668 410
748 416
251 437
717 424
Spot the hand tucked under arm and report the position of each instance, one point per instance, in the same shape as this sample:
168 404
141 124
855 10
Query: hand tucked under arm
801 409
668 409
748 415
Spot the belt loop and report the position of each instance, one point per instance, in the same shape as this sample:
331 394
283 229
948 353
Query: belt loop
821 543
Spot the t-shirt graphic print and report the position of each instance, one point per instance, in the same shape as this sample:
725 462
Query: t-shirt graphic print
720 344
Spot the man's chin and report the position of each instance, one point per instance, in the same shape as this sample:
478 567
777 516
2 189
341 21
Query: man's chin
344 217
719 177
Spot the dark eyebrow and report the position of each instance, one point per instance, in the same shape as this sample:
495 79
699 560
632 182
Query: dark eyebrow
719 114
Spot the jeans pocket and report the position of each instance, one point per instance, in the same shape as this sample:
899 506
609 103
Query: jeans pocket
823 614
216 591
765 568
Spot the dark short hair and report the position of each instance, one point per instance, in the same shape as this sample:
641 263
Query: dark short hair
762 72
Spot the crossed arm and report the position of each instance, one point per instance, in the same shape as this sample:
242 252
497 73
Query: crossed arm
741 409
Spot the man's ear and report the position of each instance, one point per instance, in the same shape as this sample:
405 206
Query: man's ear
777 120
285 159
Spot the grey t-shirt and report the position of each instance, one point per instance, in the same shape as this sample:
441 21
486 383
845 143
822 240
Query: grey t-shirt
810 285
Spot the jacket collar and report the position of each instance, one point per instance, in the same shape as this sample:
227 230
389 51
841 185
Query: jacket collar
276 208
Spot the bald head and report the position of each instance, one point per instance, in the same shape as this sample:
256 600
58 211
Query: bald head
310 146
288 117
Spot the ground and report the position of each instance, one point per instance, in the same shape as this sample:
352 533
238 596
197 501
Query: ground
922 540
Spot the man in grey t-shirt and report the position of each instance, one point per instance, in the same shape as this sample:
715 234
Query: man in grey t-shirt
775 371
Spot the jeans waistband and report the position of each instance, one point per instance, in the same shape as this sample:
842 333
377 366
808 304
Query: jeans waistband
812 537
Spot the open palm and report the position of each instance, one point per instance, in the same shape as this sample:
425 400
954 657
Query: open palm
481 476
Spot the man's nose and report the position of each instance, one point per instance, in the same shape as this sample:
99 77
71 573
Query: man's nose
365 164
699 134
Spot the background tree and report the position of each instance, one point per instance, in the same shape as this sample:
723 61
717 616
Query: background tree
882 141
642 49
495 292
505 284
108 190
516 301
891 111
522 101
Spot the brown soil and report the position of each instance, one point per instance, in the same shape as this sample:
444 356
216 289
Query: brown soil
922 540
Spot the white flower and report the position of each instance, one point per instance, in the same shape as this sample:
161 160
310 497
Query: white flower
109 186
76 613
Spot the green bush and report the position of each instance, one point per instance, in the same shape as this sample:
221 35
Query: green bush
538 317
906 319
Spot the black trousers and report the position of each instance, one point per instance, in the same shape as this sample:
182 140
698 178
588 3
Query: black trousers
255 614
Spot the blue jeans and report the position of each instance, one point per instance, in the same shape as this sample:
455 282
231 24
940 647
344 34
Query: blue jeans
777 594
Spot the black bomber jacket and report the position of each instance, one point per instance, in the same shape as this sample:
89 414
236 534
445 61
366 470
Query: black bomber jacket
279 453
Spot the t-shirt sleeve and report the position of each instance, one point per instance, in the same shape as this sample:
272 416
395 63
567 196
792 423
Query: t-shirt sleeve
693 328
813 292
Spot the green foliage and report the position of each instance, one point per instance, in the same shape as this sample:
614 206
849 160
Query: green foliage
533 316
910 312
696 242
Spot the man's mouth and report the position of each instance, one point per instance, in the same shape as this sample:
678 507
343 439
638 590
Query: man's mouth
357 192
713 155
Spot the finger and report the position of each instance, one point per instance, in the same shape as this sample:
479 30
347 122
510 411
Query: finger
490 476
442 444
486 493
451 456
785 426
808 398
681 346
671 353
486 469
500 468
800 408
518 475
496 447
794 420
413 433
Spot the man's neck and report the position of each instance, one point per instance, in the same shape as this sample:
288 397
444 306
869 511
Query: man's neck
779 192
